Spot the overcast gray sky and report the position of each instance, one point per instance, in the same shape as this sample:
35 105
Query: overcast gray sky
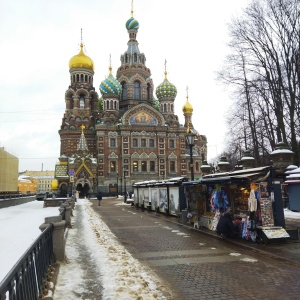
39 37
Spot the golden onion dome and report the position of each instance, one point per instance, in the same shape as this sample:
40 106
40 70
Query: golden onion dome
81 60
187 107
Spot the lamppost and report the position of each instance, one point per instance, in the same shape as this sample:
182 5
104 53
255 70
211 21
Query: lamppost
125 192
117 185
190 138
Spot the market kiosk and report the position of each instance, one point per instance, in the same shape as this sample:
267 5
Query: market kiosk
161 196
252 195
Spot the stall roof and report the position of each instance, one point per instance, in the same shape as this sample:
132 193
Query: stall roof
171 181
238 172
255 174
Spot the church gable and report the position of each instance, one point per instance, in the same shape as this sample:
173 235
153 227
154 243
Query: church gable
143 114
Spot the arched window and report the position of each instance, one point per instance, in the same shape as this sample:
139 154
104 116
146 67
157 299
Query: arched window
144 166
107 104
137 90
134 57
81 77
81 102
124 91
165 107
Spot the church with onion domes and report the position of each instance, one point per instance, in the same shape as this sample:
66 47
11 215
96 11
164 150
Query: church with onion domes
126 134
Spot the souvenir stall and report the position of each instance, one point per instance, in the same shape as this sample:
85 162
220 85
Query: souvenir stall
195 195
253 199
161 196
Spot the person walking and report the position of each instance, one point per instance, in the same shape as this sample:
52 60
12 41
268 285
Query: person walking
99 197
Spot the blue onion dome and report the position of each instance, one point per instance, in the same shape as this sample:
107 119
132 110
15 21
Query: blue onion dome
132 24
110 86
166 89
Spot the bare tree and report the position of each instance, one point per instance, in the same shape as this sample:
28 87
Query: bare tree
263 69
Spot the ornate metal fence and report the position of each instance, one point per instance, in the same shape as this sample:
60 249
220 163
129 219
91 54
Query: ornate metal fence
27 278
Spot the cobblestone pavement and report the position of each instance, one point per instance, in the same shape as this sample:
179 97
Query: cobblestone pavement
196 265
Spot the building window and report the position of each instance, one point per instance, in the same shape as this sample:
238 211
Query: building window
151 143
124 90
144 166
143 142
137 90
152 166
148 92
171 144
135 166
112 143
81 102
134 143
172 166
112 166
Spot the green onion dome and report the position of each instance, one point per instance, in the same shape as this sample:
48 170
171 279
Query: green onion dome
156 104
132 24
166 89
110 86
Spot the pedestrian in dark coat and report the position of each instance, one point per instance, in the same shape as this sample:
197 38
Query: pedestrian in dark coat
225 227
99 197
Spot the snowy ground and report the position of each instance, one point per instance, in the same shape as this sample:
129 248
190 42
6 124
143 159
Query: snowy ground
19 228
288 214
98 265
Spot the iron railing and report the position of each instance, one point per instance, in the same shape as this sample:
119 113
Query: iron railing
27 278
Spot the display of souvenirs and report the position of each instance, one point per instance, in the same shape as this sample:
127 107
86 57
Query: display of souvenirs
219 200
263 190
266 212
215 221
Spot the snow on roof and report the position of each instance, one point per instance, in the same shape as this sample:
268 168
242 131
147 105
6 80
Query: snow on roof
293 176
295 171
282 151
291 167
247 158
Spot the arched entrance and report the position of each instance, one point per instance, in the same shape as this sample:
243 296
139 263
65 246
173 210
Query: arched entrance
63 190
83 186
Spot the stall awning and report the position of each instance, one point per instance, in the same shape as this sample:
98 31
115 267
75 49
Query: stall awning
259 176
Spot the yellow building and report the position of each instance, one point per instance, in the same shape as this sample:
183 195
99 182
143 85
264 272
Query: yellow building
9 166
43 179
27 185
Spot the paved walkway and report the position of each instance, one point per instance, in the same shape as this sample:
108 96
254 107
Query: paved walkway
193 264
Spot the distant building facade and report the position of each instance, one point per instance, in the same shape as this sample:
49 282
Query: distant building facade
43 179
127 135
9 166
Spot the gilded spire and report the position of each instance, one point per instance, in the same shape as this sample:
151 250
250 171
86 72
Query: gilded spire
131 8
110 68
165 69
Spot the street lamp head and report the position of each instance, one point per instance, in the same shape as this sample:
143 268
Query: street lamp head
190 139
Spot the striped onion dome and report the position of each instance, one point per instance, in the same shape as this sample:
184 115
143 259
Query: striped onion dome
132 24
110 86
